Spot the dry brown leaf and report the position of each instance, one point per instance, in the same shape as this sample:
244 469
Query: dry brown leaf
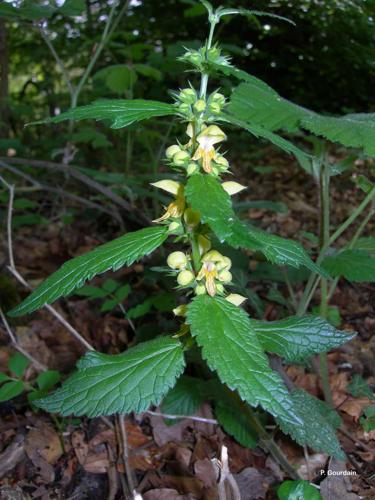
81 448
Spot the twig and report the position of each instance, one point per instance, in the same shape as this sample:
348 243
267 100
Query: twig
80 176
44 187
58 60
181 417
40 367
13 270
10 188
125 455
227 486
53 311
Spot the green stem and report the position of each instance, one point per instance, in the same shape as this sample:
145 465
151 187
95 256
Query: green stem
204 80
265 440
324 242
353 241
311 283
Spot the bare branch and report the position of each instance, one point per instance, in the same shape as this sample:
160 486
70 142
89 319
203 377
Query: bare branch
40 367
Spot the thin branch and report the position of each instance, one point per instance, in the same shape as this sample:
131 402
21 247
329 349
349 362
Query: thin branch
107 33
180 417
40 367
75 173
53 311
125 455
10 188
13 270
58 61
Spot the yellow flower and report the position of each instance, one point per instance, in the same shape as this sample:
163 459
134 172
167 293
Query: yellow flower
209 272
177 207
207 139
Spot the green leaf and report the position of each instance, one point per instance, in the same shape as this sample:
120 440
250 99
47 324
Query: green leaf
297 338
366 243
368 418
298 490
18 363
251 13
113 255
118 77
206 195
358 388
185 397
131 381
320 423
353 265
92 292
72 7
256 103
3 377
119 112
234 422
231 347
260 131
277 250
46 380
10 390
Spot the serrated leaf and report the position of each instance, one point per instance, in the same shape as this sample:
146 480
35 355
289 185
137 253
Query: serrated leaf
231 348
277 250
10 390
206 195
46 380
358 388
296 338
260 131
119 112
319 424
113 255
18 363
298 490
251 13
185 397
353 265
259 104
235 423
131 381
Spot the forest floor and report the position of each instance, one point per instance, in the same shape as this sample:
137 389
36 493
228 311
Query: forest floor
49 457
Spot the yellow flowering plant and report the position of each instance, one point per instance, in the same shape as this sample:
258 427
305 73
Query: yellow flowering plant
232 347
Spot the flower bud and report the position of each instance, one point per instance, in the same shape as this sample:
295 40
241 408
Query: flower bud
213 53
200 105
192 168
215 108
226 264
204 244
185 278
225 276
235 298
185 108
177 260
218 98
191 217
181 158
212 256
172 150
219 288
223 162
187 96
180 310
174 227
200 290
